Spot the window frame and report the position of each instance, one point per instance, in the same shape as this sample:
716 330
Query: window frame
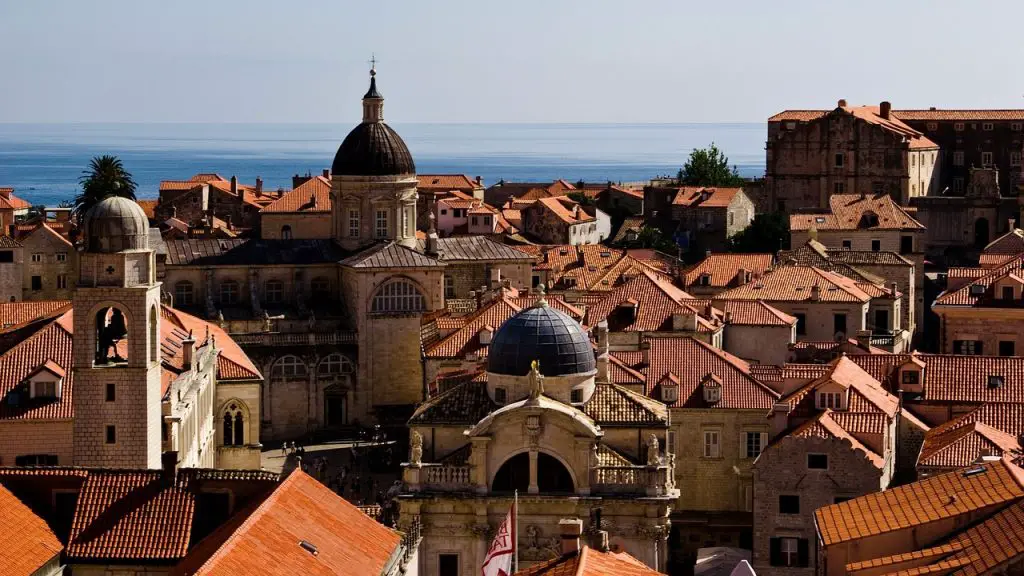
789 500
180 291
713 449
273 291
354 218
229 292
817 461
388 299
380 224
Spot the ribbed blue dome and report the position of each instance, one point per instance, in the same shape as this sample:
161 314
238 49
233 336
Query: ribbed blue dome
544 334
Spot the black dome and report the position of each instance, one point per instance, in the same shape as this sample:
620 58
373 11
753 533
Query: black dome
373 149
541 333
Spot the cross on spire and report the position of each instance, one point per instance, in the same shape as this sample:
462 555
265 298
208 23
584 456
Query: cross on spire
373 64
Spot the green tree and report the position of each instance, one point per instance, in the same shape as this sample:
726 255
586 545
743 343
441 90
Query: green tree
581 198
709 167
766 233
651 237
105 177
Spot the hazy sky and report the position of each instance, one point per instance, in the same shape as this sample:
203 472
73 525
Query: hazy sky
490 60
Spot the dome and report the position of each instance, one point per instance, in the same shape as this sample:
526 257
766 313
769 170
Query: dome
373 149
544 334
115 224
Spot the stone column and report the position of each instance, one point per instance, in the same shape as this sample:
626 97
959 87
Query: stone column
478 460
534 488
583 464
254 292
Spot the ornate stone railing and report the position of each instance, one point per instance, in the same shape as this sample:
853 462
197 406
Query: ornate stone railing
645 480
289 339
438 478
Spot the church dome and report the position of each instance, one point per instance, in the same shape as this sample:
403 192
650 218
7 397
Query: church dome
373 148
115 224
545 334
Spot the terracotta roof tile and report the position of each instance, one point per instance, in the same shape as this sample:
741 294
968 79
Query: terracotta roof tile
935 498
722 269
614 405
962 445
701 197
590 562
465 340
300 510
566 210
847 212
652 302
313 196
148 206
26 541
463 404
8 201
796 284
445 182
13 313
960 114
869 114
866 392
977 292
823 425
754 313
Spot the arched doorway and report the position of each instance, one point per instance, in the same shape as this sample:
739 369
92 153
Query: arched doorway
514 474
981 232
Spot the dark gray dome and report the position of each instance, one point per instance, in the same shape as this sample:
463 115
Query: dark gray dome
373 149
115 224
544 334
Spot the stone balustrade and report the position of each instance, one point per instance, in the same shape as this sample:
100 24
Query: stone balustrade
438 478
292 339
641 480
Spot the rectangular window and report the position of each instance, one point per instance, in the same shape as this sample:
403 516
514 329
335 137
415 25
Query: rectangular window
847 245
881 320
111 392
474 221
789 504
840 159
876 245
958 126
37 282
817 461
487 220
838 187
62 281
45 390
792 552
6 256
971 347
987 126
353 223
958 185
381 226
986 158
448 565
801 324
1007 293
756 442
37 257
62 256
499 395
1007 347
958 158
839 323
1016 126
449 286
906 244
911 377
933 126
670 442
36 460
576 395
831 400
111 435
712 444
913 159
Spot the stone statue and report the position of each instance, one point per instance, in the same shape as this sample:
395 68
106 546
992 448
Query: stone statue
415 448
653 454
594 459
220 319
536 381
267 326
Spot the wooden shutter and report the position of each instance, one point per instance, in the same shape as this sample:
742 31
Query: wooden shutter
775 554
802 553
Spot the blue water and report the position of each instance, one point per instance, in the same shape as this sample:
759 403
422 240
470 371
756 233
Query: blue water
42 162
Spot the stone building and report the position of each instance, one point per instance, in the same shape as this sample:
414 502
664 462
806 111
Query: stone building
561 220
461 214
12 264
708 217
432 188
207 196
833 439
980 312
719 272
11 208
813 154
302 213
51 262
546 423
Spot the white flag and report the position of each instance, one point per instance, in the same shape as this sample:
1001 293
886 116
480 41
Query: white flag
498 561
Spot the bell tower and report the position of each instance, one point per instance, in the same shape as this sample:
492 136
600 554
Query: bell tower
116 343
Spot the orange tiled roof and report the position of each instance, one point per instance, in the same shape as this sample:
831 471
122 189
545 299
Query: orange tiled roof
148 206
12 313
848 211
590 267
795 284
207 177
958 446
8 201
823 425
590 562
26 541
445 182
961 114
701 197
178 185
566 210
300 510
754 313
869 114
866 393
722 268
653 301
935 498
965 294
1011 244
313 196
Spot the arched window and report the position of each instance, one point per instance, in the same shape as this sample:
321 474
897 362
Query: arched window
398 296
273 291
239 429
289 367
229 423
234 426
336 364
320 288
154 335
184 293
229 293
286 232
111 336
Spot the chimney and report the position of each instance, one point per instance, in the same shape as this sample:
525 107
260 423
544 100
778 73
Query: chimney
895 288
495 278
188 348
864 339
234 185
645 350
169 466
259 185
571 529
479 181
815 292
432 243
1013 224
5 193
884 109
842 103
326 173
600 542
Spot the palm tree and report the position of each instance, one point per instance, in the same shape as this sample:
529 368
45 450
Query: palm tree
105 177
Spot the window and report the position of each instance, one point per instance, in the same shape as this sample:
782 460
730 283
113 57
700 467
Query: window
183 294
398 296
474 220
838 187
712 444
381 224
987 126
448 565
876 245
791 552
37 257
756 442
576 395
705 279
932 126
801 323
62 281
881 320
36 460
37 282
406 223
111 392
670 442
906 244
444 212
44 390
959 126
320 288
958 185
1014 158
273 291
669 393
967 347
1007 293
111 434
353 223
286 232
229 292
500 395
487 220
789 504
958 158
234 426
449 286
839 323
841 499
986 158
832 400
911 377
995 382
1007 347
6 256
840 159
62 256
289 367
817 461
847 245
336 364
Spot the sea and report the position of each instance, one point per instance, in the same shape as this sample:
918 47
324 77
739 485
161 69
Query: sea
43 162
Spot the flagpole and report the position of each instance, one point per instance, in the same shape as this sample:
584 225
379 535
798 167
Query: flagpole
515 533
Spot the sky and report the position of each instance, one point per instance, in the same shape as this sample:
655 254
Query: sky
500 61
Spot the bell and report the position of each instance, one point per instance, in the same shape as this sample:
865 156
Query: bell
116 329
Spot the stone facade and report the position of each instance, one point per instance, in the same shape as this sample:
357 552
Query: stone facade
710 226
11 265
300 226
48 437
50 265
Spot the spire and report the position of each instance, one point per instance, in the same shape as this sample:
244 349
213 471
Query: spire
373 102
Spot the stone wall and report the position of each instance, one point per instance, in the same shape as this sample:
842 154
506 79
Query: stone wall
990 326
820 317
26 437
315 226
11 276
48 248
762 344
467 276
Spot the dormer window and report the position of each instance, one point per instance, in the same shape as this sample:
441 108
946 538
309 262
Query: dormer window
44 389
830 400
705 279
995 382
977 289
911 377
576 396
712 389
669 393
485 335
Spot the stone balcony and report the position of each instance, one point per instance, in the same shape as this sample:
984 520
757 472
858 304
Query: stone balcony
293 339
